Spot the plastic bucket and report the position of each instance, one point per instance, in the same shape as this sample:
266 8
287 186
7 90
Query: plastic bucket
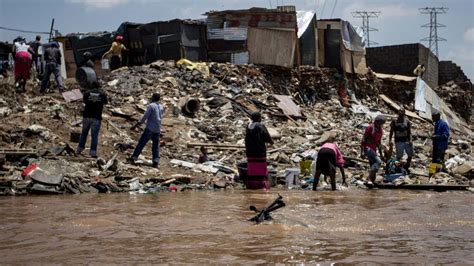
292 176
305 167
433 168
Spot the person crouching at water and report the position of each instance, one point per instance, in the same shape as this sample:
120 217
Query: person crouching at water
371 141
256 137
329 156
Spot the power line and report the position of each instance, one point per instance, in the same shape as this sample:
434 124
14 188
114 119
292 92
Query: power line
333 8
366 15
433 39
24 31
322 10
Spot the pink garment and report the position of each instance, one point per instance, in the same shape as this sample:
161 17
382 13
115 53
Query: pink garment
337 151
374 137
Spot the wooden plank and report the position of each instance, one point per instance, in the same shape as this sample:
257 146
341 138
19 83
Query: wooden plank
346 59
214 145
271 46
320 50
360 65
286 104
397 107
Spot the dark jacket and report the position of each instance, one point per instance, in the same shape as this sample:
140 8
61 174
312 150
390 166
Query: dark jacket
52 55
256 135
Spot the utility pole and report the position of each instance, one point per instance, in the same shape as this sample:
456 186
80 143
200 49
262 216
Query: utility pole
51 31
365 15
433 25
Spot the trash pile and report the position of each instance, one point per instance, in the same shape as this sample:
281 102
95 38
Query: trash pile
459 96
207 105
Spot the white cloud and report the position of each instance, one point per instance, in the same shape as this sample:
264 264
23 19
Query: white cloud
469 35
103 4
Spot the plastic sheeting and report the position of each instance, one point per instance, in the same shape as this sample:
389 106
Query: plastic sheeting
303 19
351 39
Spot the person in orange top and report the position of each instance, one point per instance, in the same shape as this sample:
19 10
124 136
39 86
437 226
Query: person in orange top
116 51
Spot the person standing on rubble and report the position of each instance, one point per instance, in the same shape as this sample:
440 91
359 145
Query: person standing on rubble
116 51
371 141
256 137
52 58
35 46
419 70
153 115
23 60
440 138
94 101
401 130
328 157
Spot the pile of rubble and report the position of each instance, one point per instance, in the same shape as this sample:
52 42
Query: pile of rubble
459 95
207 104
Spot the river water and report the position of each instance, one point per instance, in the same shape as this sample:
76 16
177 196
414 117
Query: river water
379 226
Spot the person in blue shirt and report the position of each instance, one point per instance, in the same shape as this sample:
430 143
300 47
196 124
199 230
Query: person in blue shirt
152 116
440 138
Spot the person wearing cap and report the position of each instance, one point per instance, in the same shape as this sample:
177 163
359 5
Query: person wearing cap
329 156
52 58
371 142
116 51
94 101
23 60
153 115
440 138
400 128
256 137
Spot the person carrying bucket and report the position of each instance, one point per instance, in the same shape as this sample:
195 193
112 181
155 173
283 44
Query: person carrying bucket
116 51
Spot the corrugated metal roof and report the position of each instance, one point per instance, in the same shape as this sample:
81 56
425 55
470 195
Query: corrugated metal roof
240 58
229 34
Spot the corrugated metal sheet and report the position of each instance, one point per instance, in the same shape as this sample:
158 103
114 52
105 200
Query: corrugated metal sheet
240 58
215 22
228 34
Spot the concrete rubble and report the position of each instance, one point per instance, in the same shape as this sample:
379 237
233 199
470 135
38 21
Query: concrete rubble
204 109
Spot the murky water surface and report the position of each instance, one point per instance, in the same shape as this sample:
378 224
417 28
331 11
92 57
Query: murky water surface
211 227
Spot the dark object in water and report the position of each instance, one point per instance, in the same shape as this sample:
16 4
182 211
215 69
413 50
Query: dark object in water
264 214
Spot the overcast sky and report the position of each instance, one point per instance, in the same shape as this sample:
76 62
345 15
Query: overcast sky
399 22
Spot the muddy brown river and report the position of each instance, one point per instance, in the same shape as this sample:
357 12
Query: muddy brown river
210 227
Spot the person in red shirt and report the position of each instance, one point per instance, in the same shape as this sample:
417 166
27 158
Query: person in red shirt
370 143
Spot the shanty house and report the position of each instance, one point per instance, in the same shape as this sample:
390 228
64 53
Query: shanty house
255 35
307 37
174 39
340 46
